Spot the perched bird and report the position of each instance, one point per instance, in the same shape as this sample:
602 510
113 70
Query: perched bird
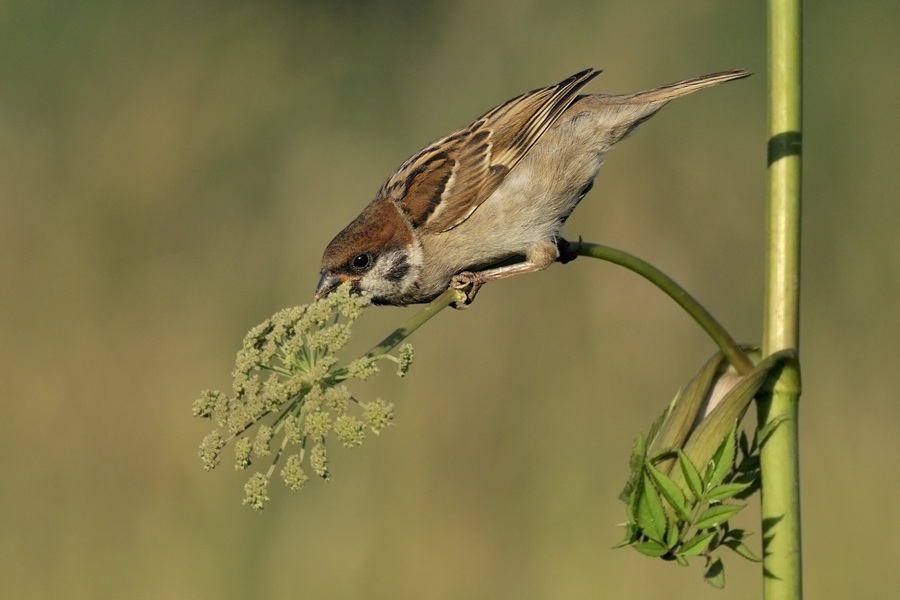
498 189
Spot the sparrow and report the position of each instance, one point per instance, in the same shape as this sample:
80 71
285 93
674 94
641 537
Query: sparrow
495 192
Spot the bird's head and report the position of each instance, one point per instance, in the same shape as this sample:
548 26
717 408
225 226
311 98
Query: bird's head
377 253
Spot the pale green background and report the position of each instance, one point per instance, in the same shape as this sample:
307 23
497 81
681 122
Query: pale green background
171 171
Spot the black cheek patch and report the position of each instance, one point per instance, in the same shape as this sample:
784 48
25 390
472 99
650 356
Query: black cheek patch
398 270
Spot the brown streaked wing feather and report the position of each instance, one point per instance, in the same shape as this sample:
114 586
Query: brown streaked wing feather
512 129
441 186
421 185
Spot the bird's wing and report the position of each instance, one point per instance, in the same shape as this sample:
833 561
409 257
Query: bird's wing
441 186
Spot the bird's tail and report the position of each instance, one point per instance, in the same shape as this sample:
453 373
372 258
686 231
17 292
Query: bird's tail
618 116
683 88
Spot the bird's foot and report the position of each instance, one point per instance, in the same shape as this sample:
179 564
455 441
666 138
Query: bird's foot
466 279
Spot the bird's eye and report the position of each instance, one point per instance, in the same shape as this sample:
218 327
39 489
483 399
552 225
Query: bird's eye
361 261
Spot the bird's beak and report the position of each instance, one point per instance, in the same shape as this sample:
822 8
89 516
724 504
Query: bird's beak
328 283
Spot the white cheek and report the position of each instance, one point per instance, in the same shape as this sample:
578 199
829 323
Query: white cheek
375 280
383 280
377 286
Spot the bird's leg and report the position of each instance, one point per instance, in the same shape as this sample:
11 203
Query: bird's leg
539 257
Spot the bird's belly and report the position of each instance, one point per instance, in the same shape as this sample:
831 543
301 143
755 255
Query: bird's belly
527 209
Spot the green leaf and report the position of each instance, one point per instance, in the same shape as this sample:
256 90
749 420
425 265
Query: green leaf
634 489
690 475
651 548
673 534
658 423
651 516
722 461
671 492
631 536
638 452
697 545
715 573
741 548
625 496
718 514
662 455
635 464
726 491
681 560
743 444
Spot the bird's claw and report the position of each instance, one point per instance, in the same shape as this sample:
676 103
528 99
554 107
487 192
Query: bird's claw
462 281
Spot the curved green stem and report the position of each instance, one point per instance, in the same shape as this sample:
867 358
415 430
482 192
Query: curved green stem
404 331
419 319
730 348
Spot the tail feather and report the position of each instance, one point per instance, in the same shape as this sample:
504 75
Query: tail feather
619 115
683 88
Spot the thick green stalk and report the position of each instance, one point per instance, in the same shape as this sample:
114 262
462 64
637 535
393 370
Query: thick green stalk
730 348
782 576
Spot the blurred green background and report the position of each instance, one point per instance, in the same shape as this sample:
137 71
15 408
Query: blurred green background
171 171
